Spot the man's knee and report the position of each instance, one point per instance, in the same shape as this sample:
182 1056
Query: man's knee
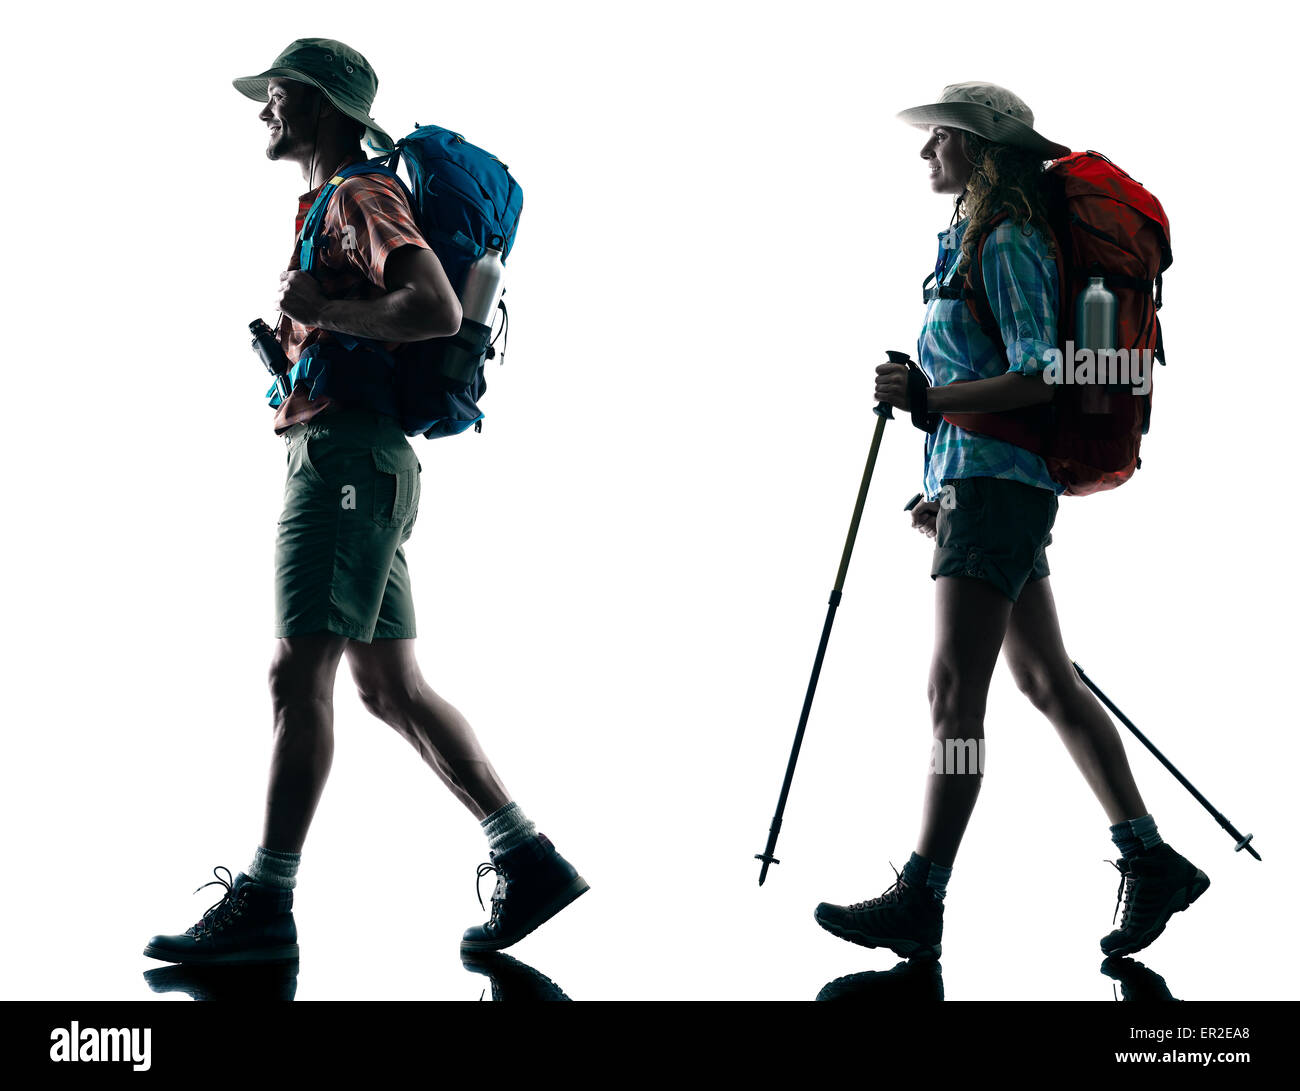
387 694
303 668
387 679
379 700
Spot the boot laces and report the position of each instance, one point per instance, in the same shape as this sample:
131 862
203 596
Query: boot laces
890 897
498 893
1128 884
216 915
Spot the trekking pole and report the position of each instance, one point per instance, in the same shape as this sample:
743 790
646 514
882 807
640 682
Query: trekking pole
883 413
1242 842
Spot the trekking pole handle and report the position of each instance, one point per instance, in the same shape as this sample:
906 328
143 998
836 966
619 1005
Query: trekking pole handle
883 410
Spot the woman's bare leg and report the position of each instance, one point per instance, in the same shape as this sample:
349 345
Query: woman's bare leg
1041 668
971 618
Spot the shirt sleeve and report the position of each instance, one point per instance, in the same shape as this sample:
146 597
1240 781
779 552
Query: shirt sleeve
1021 282
368 219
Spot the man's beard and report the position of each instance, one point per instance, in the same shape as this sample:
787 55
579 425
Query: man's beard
277 145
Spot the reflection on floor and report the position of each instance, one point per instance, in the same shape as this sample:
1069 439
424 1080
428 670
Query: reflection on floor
267 981
914 981
920 980
512 979
1135 980
508 978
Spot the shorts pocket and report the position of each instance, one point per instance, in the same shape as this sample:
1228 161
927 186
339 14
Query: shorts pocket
300 462
397 487
970 496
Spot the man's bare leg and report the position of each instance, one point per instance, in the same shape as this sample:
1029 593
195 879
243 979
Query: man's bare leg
393 689
534 882
254 921
302 700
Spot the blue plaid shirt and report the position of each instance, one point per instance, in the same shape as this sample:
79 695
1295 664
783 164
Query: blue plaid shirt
1021 281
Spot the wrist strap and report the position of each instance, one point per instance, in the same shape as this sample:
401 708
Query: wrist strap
918 396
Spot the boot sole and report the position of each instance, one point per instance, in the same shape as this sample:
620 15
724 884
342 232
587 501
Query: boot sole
566 897
286 953
904 948
1199 885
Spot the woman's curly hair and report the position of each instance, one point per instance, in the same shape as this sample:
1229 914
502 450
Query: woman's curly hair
1002 177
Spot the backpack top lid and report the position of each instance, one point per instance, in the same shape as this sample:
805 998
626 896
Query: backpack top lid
462 193
1090 174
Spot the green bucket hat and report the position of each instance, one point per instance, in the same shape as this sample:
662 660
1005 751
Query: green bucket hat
342 74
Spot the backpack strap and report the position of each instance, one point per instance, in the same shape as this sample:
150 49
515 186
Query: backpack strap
941 291
977 299
311 224
1035 418
308 237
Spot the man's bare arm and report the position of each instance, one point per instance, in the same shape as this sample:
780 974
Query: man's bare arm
419 302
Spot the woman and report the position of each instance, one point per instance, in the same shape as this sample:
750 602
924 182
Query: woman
990 506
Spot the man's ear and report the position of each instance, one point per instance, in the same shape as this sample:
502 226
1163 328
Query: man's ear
327 108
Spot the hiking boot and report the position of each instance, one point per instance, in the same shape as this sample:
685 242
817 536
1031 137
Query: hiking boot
253 922
534 882
1153 887
906 919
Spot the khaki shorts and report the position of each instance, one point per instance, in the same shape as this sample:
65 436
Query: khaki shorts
350 501
998 531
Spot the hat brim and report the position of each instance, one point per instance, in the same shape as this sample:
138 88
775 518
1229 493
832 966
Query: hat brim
982 121
256 88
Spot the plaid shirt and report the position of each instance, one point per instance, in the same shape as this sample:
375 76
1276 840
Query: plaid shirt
367 218
1021 282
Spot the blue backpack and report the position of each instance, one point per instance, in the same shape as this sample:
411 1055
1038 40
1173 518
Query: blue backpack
464 200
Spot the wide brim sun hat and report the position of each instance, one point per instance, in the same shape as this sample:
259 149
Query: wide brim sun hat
342 74
986 110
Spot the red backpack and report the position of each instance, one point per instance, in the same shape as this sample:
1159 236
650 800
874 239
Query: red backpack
1106 224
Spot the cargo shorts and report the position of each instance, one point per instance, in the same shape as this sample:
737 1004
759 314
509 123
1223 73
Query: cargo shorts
350 501
995 530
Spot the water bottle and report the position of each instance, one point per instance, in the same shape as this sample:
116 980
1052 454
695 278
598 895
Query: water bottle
1095 317
478 301
478 298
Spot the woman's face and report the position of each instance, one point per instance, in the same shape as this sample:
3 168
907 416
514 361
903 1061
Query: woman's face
949 168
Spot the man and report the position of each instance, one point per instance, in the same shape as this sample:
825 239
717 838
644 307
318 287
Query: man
351 499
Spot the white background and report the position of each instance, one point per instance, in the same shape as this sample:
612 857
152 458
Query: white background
621 581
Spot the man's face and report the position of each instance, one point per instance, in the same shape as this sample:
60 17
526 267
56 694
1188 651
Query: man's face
291 114
950 170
